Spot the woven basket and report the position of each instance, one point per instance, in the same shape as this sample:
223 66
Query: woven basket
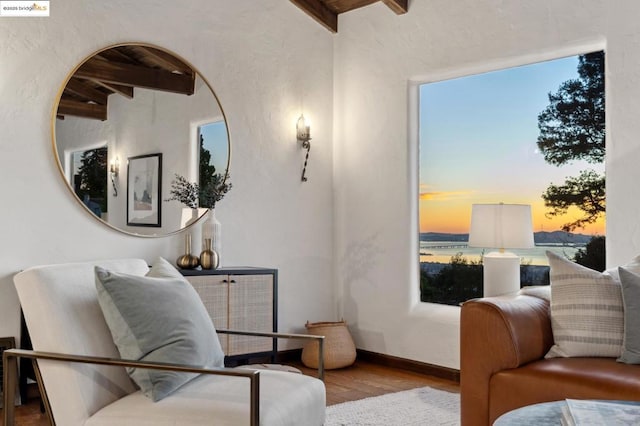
339 349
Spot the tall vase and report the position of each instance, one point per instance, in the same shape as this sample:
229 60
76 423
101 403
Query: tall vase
212 228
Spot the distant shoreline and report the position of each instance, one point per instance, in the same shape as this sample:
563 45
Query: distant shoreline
539 238
534 271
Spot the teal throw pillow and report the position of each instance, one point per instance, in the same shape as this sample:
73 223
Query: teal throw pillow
158 317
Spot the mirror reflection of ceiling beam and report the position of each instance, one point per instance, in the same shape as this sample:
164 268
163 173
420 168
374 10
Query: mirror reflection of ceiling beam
120 70
81 89
82 109
326 12
126 91
136 76
163 59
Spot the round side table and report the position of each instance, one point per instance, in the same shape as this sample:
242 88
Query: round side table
543 414
550 413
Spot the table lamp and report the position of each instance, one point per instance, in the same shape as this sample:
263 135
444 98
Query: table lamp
501 226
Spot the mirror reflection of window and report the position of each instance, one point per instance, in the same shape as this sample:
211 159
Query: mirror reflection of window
90 178
213 148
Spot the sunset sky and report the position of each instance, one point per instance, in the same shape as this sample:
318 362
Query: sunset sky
478 145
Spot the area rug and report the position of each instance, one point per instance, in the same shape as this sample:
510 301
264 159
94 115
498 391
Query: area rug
422 406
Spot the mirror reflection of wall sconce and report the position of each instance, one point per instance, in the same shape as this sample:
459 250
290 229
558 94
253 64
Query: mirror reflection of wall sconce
114 170
303 132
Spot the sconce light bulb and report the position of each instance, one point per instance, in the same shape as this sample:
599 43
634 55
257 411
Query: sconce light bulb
303 128
115 166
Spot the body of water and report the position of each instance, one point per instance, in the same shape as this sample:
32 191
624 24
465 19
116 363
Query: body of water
442 251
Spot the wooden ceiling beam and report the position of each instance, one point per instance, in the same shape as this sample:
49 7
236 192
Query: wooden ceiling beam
321 13
398 6
136 76
342 6
82 109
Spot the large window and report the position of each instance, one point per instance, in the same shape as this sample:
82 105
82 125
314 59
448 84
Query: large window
527 135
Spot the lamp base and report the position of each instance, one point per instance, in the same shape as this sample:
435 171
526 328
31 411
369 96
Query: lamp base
501 273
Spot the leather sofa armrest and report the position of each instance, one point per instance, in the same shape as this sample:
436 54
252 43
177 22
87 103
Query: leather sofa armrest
498 333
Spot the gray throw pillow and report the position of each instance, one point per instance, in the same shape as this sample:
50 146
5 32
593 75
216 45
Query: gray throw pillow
631 301
586 311
158 317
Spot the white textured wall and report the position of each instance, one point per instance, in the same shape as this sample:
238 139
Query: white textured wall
267 63
378 59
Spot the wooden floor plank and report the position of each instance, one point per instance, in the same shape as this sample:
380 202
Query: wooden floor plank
361 380
365 379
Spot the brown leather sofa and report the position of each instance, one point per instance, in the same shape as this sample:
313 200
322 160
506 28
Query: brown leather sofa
502 365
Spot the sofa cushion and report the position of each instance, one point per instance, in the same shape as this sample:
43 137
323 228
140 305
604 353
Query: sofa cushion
631 300
158 317
586 311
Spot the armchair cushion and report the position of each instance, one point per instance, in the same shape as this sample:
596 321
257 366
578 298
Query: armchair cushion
158 317
286 399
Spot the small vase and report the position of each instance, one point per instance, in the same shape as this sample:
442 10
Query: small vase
187 260
209 258
212 229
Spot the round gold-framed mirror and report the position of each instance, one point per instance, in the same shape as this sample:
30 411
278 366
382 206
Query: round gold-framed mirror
129 121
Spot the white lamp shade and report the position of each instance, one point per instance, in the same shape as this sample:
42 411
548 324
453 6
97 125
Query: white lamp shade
501 226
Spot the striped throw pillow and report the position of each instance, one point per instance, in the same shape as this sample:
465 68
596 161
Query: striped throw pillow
587 317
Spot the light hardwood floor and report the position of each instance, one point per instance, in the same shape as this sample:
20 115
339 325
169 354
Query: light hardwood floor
361 380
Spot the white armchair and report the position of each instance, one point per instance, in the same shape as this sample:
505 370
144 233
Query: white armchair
84 382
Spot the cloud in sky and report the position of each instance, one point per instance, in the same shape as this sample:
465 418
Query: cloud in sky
426 194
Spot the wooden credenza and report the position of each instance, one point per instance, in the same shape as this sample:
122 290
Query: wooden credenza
240 298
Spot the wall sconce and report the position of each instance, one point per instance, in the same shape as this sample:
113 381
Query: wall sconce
303 132
501 226
114 170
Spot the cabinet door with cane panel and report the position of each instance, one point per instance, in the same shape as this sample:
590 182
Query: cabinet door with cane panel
240 299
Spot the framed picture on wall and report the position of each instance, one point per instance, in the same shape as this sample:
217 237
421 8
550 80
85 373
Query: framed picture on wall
144 190
6 343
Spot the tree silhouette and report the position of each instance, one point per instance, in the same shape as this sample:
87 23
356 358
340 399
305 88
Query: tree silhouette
213 186
592 255
456 282
207 171
572 127
92 177
585 191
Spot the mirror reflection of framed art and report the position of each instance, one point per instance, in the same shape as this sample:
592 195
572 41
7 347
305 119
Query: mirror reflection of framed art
144 194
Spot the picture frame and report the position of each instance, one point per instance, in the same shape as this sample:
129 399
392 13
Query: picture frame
6 343
144 190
